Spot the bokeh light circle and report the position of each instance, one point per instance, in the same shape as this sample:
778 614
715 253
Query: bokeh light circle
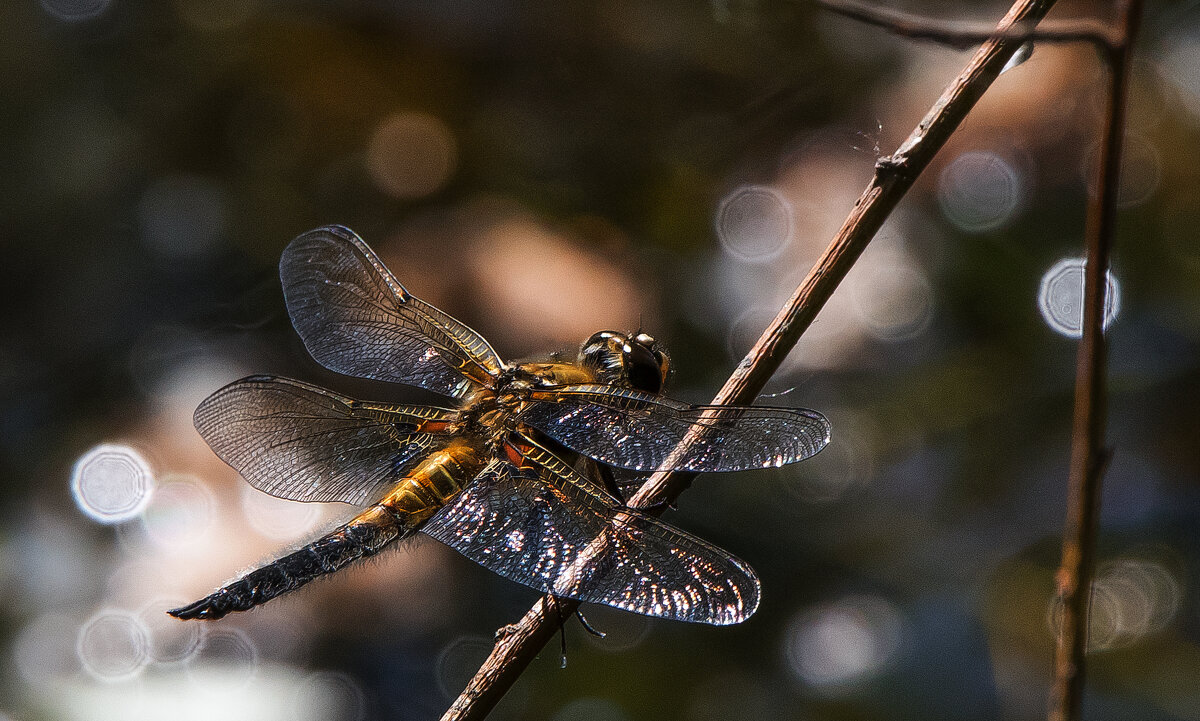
754 223
1131 599
848 460
895 304
411 155
980 191
226 651
44 650
113 645
842 642
169 640
744 330
75 10
277 518
112 483
458 661
1141 171
180 512
1060 298
328 696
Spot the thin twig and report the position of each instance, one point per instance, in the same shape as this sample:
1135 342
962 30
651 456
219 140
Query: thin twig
519 643
1089 454
962 35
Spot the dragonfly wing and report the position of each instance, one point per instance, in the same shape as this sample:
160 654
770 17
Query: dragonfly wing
304 443
546 527
640 431
356 318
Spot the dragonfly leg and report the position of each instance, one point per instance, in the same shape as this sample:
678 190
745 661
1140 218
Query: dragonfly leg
655 509
587 626
562 635
562 627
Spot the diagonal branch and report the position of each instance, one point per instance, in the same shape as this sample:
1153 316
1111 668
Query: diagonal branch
519 643
1089 455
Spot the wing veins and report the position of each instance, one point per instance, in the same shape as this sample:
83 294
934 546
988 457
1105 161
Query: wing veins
536 524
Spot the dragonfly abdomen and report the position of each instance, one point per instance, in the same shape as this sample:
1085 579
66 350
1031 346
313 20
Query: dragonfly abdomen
414 500
363 536
432 484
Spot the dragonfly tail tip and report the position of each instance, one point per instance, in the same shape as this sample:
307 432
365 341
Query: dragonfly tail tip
202 610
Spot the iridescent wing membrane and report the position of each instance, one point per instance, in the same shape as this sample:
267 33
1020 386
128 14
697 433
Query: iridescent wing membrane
544 526
304 443
641 431
356 318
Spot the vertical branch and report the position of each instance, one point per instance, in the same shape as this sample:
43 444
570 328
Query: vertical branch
519 643
1089 455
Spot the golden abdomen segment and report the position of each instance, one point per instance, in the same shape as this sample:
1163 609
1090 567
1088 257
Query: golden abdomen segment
401 512
429 486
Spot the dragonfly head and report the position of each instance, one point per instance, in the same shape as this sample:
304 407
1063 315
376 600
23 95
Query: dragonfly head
627 360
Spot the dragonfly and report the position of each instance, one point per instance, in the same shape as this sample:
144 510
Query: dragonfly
511 473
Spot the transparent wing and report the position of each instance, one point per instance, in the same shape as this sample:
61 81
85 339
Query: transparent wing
640 431
304 443
356 318
546 527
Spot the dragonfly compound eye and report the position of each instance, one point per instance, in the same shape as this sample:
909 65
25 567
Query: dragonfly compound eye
642 367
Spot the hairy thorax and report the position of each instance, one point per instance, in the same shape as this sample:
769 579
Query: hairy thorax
490 413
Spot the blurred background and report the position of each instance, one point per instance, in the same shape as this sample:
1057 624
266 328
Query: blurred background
543 171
